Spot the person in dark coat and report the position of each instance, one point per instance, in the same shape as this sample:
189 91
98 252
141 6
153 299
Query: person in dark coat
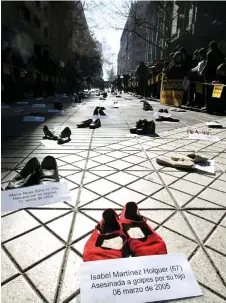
187 60
176 69
215 57
126 82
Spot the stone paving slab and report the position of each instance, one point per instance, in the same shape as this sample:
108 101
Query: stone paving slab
105 168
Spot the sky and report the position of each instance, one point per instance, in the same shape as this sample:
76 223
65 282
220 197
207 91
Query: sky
103 17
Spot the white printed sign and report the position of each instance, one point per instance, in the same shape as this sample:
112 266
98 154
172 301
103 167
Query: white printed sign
55 111
33 119
207 166
36 195
158 114
203 137
22 103
5 106
138 280
38 105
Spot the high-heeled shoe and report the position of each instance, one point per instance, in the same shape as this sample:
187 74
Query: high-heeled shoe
66 133
48 134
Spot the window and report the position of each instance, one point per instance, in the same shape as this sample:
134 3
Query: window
25 13
37 23
46 32
38 4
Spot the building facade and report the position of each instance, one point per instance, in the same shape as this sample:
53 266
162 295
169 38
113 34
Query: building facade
59 27
158 28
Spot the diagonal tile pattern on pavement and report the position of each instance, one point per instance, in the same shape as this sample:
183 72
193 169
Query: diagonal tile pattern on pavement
105 168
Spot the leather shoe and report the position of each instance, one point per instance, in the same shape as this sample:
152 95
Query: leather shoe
28 175
146 128
101 111
58 105
96 111
84 124
48 134
48 171
95 124
66 133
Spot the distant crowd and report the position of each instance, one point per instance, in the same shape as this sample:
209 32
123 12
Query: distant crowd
205 66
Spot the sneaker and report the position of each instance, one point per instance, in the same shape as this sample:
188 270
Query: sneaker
108 240
142 239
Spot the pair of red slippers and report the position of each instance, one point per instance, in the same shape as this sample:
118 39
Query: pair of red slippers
123 236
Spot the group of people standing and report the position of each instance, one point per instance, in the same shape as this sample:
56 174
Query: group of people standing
205 66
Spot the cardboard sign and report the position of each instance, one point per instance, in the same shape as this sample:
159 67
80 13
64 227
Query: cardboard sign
33 196
33 119
198 88
138 280
172 92
22 74
217 90
38 105
6 71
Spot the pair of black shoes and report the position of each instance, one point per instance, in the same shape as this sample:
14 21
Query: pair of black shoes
99 111
147 106
143 127
64 137
58 105
35 173
163 110
169 119
91 123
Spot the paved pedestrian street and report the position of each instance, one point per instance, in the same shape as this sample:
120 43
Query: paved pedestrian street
106 168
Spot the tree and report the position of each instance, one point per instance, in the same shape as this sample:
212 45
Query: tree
111 74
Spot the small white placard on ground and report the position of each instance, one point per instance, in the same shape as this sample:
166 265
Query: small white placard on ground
51 144
138 280
55 111
207 166
22 103
19 110
203 137
214 124
38 105
158 114
33 119
36 195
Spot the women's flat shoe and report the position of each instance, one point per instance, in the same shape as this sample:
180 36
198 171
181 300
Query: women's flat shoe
96 111
142 238
28 175
65 136
108 240
48 134
85 123
48 171
95 124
